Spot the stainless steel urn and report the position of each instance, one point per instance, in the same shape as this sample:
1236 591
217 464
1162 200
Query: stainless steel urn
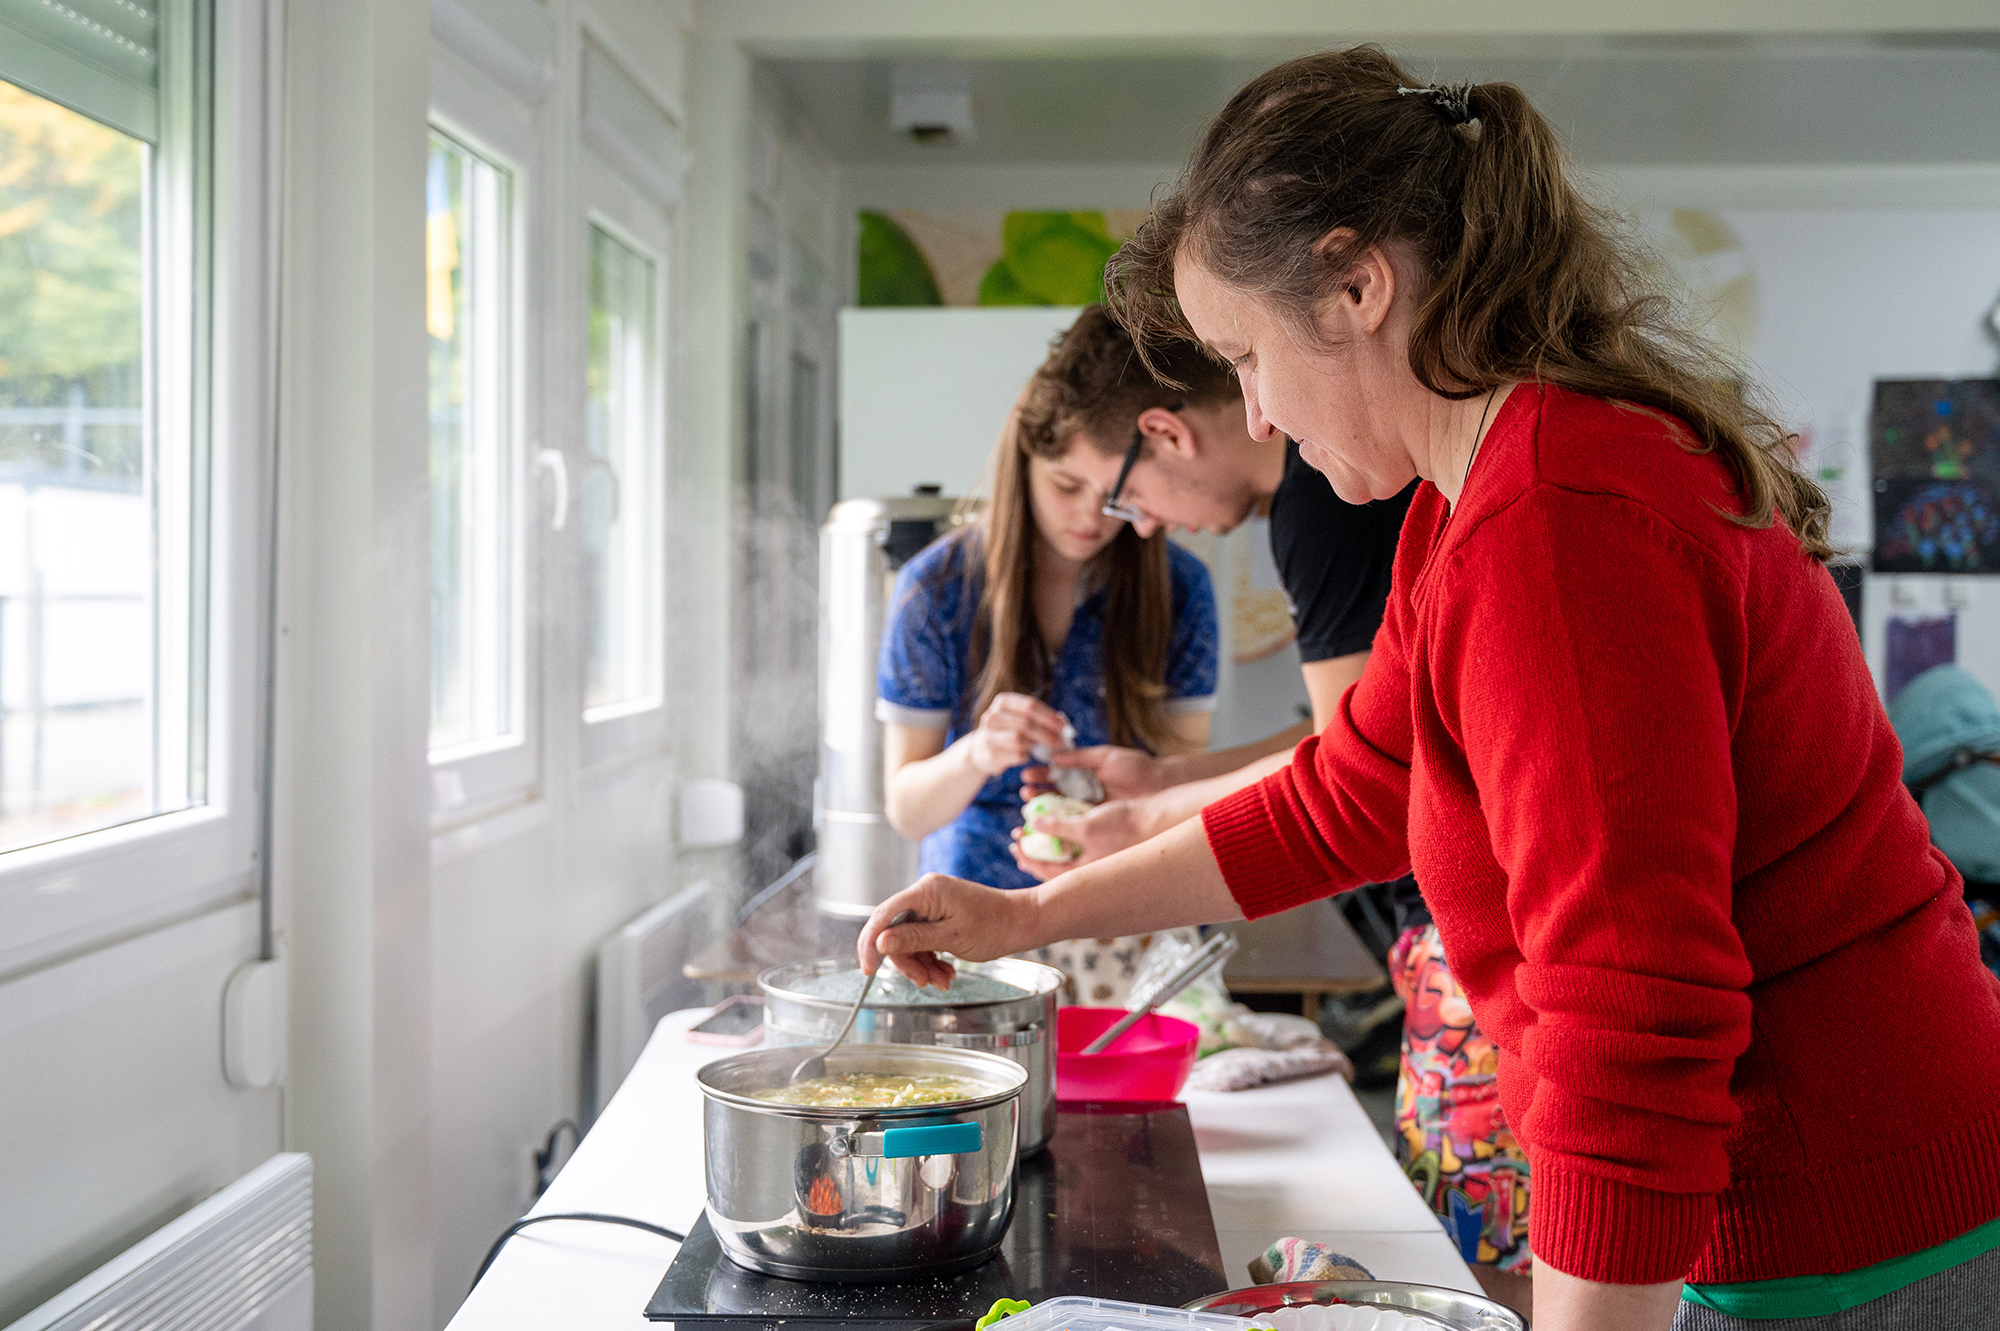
862 860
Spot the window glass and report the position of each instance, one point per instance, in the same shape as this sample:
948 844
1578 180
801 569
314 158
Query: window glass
621 432
96 670
466 312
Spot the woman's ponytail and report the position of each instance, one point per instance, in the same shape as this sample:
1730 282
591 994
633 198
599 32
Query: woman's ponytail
1523 277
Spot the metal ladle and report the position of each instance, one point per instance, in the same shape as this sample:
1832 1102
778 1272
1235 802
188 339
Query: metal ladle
814 1067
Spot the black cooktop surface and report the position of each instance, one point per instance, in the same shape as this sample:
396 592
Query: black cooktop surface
1115 1208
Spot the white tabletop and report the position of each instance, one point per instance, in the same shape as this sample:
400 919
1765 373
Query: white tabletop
1299 1159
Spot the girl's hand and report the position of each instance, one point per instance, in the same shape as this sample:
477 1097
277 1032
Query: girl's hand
1105 830
1124 773
967 920
1012 726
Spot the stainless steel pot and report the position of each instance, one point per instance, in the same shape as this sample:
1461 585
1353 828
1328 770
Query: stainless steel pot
1022 1030
860 1195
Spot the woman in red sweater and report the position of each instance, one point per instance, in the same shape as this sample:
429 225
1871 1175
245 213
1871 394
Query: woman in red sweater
1616 720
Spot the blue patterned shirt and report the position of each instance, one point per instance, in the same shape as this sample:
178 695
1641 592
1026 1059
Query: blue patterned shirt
925 680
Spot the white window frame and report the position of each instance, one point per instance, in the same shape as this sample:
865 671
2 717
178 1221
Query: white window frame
475 780
619 733
64 897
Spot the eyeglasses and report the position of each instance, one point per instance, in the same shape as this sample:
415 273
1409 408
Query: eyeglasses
1126 511
1113 507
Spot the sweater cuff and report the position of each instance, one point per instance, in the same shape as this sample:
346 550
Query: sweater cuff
1253 861
1595 1228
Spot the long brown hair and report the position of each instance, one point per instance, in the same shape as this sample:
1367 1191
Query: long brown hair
1523 278
1093 386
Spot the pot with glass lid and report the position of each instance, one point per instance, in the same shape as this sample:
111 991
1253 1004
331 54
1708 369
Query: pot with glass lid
1005 1007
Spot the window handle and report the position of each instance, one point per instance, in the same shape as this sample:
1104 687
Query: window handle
553 462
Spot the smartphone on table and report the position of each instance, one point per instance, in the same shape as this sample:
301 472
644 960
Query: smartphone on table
735 1021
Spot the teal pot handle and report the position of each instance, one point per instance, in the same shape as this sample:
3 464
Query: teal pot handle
904 1143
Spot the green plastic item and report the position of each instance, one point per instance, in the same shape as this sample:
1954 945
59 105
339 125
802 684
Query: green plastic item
1001 1308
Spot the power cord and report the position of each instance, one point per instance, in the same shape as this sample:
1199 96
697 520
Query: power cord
545 1158
525 1221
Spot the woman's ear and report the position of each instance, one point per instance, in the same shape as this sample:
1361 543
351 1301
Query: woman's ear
1169 431
1361 303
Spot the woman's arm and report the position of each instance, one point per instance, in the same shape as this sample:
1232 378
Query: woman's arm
1187 732
1120 895
927 784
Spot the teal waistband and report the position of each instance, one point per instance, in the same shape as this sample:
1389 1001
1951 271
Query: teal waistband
1817 1296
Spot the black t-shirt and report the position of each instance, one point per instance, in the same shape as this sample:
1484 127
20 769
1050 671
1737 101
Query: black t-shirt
1334 559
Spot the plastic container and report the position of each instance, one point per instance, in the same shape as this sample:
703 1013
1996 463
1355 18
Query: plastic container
1076 1313
1150 1062
1352 1305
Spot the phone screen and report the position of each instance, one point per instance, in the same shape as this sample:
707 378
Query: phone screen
733 1019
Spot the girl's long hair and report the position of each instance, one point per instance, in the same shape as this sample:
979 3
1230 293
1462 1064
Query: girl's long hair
1008 654
1522 278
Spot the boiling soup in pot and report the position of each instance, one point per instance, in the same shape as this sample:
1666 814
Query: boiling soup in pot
875 1090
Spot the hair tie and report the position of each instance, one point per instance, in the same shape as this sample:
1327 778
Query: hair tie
1453 100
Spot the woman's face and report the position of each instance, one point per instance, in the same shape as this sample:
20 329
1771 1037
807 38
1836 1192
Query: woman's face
1333 401
1066 506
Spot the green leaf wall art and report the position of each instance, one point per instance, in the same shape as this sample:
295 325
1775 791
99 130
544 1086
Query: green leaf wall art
986 258
891 269
1049 259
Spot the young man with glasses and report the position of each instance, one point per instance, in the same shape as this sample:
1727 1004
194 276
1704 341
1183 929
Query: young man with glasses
1194 467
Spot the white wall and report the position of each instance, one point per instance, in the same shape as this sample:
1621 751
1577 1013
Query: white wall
111 1145
924 393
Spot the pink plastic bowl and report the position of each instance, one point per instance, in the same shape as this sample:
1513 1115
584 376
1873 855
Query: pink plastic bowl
1149 1062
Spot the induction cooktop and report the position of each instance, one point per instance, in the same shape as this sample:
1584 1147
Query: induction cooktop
1115 1208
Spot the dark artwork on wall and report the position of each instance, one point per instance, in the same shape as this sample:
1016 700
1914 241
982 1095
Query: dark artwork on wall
1935 447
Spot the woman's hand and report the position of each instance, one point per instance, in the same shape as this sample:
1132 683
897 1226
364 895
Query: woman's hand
967 920
1105 830
1124 773
1008 732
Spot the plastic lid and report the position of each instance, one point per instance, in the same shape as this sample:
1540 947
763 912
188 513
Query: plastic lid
1076 1313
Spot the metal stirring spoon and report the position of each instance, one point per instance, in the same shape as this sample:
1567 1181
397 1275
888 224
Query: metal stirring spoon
815 1066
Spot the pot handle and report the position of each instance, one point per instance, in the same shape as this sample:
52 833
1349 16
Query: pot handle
903 1143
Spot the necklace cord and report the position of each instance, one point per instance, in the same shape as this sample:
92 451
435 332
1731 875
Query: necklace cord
1476 440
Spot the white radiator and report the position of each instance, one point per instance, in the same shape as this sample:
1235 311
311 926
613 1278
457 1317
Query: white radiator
639 980
240 1261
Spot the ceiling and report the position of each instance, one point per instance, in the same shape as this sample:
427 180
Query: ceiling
1636 101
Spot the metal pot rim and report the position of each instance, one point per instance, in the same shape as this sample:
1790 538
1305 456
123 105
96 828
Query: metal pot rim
1050 983
981 1064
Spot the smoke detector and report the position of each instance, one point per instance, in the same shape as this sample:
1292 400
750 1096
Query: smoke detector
931 101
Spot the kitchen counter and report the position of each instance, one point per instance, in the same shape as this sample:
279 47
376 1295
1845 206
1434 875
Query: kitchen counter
1299 1159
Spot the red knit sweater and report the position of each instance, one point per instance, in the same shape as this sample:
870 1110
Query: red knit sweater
1632 752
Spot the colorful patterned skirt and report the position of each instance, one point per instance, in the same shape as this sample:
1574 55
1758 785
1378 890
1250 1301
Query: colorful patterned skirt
1452 1138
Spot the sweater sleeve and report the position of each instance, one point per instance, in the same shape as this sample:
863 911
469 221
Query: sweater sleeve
1594 698
1338 816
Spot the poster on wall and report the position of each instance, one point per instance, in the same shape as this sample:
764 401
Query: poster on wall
990 257
1934 446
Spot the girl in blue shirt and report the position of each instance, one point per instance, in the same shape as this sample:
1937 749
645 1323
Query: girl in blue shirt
1043 610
